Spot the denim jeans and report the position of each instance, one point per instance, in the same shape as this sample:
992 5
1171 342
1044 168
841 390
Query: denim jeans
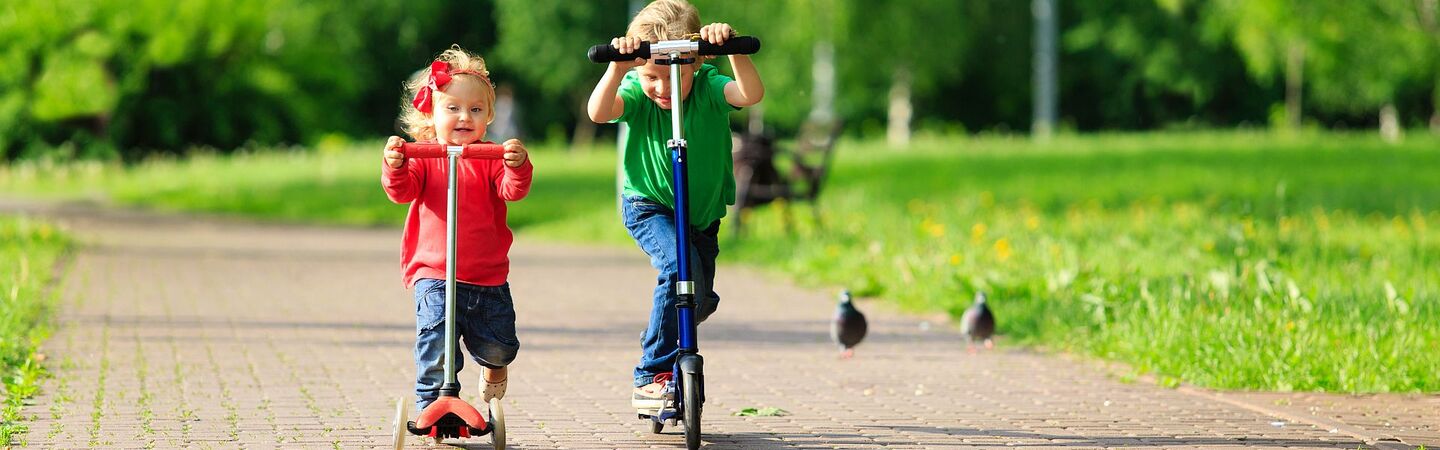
485 320
652 225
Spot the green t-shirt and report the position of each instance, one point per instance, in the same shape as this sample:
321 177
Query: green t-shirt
706 119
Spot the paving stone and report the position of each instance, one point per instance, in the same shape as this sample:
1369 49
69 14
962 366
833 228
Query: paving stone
183 332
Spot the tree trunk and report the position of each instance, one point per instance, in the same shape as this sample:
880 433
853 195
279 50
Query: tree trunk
1435 111
1428 13
1294 84
822 75
584 136
1389 123
898 131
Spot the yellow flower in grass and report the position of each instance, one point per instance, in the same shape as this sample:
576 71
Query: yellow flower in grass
977 232
935 229
1002 249
1401 226
1032 222
955 259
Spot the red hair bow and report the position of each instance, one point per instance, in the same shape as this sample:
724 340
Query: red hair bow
439 77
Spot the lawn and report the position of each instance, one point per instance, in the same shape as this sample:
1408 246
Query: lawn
1231 260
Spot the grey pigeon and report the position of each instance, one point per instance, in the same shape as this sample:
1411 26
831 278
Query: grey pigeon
978 323
849 326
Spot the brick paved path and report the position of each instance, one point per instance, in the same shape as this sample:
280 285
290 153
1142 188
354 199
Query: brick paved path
196 333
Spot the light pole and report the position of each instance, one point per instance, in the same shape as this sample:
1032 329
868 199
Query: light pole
1043 122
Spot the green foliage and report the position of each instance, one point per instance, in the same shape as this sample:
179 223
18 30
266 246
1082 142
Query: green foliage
30 250
150 76
1357 56
101 78
536 49
768 411
1148 52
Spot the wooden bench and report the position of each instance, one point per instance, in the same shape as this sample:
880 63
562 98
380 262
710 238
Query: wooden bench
760 180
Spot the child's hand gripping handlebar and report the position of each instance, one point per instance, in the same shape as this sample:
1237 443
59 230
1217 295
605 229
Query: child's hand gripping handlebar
739 45
472 151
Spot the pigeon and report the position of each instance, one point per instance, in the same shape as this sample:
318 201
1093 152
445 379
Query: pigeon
849 326
978 323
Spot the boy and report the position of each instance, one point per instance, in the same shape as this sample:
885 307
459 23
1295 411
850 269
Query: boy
641 99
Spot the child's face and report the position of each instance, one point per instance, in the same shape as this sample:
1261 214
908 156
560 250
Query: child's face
462 111
655 80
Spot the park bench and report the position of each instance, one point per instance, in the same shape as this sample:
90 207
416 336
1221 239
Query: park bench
760 179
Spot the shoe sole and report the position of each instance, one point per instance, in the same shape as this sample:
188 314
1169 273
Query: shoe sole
648 405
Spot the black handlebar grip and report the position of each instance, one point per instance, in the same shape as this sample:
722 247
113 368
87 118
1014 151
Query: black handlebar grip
607 53
738 45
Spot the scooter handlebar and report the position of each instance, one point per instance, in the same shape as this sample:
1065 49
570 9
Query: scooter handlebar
739 45
472 151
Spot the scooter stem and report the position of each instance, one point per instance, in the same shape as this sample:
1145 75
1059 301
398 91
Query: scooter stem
451 218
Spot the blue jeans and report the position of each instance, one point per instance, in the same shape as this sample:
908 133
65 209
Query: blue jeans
485 319
652 225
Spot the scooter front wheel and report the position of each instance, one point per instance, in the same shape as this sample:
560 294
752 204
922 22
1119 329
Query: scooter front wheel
693 403
497 424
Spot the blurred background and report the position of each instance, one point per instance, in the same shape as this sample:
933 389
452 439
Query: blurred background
130 79
1231 193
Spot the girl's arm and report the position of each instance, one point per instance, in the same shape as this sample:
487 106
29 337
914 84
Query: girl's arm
514 182
402 181
747 89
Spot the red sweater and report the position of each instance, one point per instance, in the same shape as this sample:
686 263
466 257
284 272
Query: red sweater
482 238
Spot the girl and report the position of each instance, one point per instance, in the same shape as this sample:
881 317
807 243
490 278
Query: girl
452 103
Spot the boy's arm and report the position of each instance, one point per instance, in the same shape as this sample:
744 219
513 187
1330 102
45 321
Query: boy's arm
747 89
605 103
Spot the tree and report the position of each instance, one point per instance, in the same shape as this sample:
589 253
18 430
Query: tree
151 75
1143 63
900 45
1271 34
1358 56
1368 52
786 57
544 43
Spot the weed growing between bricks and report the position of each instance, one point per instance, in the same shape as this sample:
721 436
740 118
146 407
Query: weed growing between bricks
35 248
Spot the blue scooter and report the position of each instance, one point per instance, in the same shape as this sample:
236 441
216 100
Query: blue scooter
691 382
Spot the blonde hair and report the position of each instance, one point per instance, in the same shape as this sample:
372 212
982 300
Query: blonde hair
664 20
419 124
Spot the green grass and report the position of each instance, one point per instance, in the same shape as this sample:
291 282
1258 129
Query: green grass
337 185
1226 260
1229 260
29 251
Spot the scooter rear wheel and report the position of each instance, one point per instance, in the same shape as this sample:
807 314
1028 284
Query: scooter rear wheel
497 424
398 426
